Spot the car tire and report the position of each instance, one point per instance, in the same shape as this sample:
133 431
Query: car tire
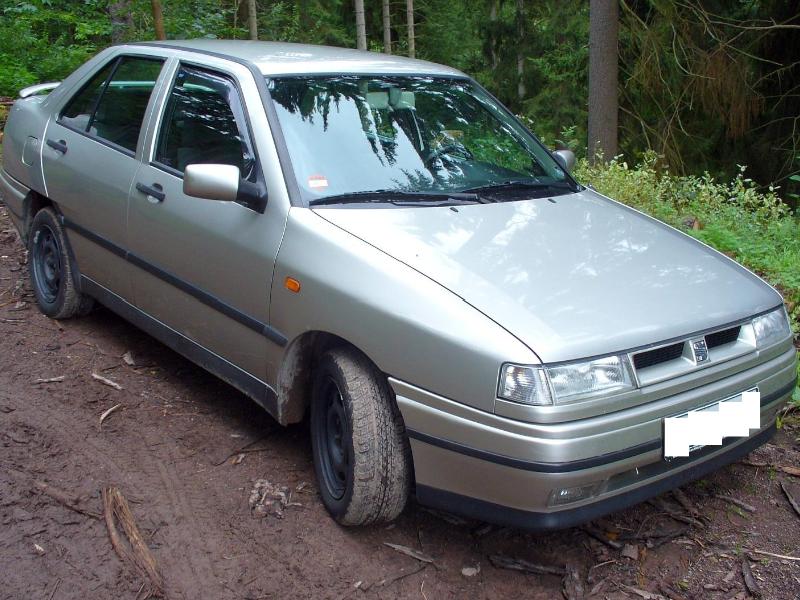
52 275
361 453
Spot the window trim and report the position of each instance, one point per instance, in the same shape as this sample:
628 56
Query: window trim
257 174
242 109
117 59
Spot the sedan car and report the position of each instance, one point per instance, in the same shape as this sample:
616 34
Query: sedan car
377 245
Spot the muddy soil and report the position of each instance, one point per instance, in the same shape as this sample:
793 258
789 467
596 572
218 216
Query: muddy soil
187 452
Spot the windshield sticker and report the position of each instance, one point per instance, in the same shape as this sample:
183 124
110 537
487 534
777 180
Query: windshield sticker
317 182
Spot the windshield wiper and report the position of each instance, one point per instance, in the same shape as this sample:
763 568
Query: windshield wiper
402 198
522 184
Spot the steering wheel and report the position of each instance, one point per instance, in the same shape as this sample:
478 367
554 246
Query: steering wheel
449 148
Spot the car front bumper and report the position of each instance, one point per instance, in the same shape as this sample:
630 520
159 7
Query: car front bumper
504 471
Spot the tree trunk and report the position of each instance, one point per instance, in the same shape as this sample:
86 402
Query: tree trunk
603 77
361 26
387 28
493 35
521 51
412 51
121 20
158 20
252 19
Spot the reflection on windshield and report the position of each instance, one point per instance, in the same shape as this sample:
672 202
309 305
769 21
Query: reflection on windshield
349 135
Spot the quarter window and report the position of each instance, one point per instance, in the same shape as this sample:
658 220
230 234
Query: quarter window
112 105
204 123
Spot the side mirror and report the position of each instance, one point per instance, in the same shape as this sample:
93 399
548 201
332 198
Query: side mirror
565 158
211 182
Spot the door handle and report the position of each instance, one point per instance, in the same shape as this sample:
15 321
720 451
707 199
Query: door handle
155 190
58 146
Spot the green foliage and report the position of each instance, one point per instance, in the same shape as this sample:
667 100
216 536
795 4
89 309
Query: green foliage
752 226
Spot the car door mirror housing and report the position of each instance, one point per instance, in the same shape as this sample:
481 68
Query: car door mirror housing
565 158
212 182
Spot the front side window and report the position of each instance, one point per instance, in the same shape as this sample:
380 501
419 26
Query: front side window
204 123
356 135
112 105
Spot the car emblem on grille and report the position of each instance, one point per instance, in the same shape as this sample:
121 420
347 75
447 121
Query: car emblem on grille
700 350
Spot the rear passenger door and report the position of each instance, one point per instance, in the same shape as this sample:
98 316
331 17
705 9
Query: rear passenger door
206 266
89 161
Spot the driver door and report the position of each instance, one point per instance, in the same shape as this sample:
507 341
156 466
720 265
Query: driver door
205 266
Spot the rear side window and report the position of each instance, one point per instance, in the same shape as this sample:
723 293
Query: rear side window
113 103
204 123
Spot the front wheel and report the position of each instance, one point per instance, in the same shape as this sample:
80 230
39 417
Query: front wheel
361 453
51 271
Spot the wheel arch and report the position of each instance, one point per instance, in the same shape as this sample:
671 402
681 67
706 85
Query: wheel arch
295 376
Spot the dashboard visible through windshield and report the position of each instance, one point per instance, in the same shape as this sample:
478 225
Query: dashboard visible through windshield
368 139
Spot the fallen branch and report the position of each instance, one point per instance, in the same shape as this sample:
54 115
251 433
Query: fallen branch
687 504
51 379
791 499
663 506
137 553
416 554
105 415
749 580
772 554
63 498
401 575
737 502
788 469
518 564
243 450
601 537
106 381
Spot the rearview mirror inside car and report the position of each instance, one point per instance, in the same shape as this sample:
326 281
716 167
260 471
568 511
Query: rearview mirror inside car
211 182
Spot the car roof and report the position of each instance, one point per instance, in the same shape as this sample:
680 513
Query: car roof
284 58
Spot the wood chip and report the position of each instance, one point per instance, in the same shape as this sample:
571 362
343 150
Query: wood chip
791 498
106 381
471 571
127 358
518 564
106 414
630 551
416 554
51 379
749 580
737 502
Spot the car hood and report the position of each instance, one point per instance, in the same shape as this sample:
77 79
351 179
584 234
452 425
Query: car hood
571 276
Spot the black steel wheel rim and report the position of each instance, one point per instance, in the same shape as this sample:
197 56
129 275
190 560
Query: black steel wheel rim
47 267
333 438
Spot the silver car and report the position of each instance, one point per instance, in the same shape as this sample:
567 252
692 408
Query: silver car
378 244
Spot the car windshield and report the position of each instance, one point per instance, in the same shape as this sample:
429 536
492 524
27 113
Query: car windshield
364 138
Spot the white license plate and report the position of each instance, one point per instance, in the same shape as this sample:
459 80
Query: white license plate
707 426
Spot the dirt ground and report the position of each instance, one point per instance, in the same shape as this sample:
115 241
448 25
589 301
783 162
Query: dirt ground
186 450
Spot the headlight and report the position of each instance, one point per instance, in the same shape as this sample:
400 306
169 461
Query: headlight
563 384
577 381
771 327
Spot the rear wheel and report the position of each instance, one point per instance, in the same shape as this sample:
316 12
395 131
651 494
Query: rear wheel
52 276
361 453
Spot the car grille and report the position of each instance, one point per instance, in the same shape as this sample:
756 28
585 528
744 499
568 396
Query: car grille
657 356
720 338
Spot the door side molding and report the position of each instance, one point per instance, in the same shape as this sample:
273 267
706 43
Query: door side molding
203 296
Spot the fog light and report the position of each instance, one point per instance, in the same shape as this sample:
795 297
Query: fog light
561 496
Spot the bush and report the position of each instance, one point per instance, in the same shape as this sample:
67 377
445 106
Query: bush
752 226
